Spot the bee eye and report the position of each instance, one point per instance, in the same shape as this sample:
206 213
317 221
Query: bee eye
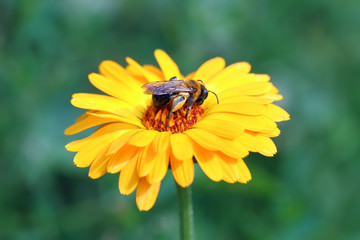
204 93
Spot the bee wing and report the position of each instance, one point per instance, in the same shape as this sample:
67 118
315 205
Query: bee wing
166 87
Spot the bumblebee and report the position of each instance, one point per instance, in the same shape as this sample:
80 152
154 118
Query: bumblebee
177 92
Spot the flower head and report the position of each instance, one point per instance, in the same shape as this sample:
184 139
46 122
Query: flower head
142 141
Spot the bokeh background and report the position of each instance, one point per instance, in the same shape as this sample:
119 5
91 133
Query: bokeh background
311 49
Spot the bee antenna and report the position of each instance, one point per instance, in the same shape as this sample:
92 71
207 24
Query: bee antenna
217 99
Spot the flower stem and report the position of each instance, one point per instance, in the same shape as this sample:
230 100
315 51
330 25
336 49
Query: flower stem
186 213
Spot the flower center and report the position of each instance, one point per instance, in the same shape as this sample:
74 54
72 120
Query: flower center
157 118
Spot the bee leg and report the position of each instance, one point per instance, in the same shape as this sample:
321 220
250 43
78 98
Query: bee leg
177 103
168 118
189 108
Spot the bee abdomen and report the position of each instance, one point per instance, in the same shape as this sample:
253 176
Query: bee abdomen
160 100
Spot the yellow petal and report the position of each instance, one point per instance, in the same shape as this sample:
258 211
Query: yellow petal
250 141
96 101
161 165
254 123
220 128
234 149
273 90
99 165
119 159
116 89
273 97
146 194
143 138
251 123
84 115
183 171
135 73
88 152
105 103
271 126
262 77
162 141
167 65
244 79
154 70
151 77
209 69
161 159
122 140
245 173
103 130
208 162
115 118
248 122
190 76
206 139
181 146
269 149
75 146
231 171
229 76
276 113
86 123
242 108
115 71
263 99
250 89
274 133
129 178
254 92
145 162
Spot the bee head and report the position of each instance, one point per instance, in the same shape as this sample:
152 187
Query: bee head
203 95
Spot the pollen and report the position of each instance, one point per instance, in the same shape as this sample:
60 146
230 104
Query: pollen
157 118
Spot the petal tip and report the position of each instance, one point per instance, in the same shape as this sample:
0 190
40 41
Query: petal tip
67 132
159 51
105 62
92 75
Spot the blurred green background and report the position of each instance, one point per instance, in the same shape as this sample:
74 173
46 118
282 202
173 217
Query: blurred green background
311 49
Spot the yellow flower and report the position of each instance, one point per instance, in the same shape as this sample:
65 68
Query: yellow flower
137 140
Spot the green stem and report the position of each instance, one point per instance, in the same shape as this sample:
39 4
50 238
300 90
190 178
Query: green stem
186 213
